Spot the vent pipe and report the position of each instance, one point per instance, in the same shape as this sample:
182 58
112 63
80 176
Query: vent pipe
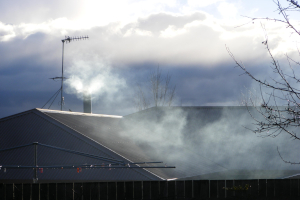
87 102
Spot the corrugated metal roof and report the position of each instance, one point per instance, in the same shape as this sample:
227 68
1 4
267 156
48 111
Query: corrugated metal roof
34 126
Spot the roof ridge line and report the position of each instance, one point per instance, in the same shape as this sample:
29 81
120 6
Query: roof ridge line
290 176
78 113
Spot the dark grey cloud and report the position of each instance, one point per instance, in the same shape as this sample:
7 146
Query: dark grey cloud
196 85
196 57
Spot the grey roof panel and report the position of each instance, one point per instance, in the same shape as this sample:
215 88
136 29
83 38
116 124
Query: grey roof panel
34 126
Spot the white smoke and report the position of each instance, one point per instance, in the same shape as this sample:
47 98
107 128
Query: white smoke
200 140
94 77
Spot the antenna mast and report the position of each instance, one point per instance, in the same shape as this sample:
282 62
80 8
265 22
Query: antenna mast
67 39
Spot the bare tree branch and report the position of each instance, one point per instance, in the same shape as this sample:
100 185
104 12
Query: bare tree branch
141 101
161 91
277 117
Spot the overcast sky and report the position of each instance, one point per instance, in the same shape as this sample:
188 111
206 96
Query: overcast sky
128 39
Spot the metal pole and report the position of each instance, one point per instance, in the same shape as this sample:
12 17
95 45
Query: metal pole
35 178
67 39
62 75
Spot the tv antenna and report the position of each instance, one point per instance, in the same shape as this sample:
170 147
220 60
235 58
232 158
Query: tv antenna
67 39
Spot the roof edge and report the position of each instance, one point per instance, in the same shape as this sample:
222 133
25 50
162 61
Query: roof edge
77 113
17 114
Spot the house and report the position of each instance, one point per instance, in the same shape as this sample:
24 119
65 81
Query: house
201 142
67 130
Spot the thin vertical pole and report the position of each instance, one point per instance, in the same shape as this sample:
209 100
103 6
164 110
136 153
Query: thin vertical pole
266 187
133 189
13 191
35 179
208 188
193 189
62 75
225 189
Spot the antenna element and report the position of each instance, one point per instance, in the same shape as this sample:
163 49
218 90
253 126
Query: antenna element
67 39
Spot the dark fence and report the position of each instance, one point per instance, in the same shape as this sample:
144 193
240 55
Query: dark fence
189 189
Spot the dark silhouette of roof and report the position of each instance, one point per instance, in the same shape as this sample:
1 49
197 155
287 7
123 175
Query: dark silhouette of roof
37 126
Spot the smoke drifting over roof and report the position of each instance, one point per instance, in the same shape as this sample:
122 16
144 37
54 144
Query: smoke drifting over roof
201 140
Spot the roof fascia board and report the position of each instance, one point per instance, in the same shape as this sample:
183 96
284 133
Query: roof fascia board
77 113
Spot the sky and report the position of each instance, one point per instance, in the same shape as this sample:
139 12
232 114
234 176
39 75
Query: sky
128 40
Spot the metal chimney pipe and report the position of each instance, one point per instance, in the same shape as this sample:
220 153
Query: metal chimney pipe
87 102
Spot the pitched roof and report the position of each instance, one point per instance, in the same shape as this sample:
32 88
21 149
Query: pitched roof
37 126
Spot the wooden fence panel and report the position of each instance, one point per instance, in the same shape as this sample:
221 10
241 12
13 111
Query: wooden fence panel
155 193
163 188
52 191
95 192
278 186
44 191
294 187
282 188
239 183
26 191
253 188
78 191
286 187
103 191
2 191
86 190
262 187
69 191
270 188
188 189
120 190
213 189
180 190
201 189
112 190
61 191
35 191
229 186
9 191
171 189
138 189
18 191
129 190
221 188
146 189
